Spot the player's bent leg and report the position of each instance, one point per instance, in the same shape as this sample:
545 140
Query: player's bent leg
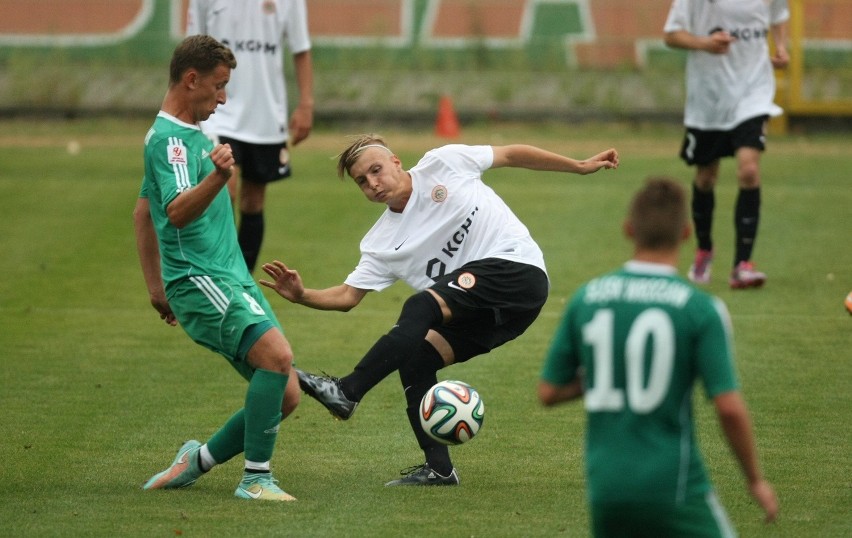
418 376
271 352
326 390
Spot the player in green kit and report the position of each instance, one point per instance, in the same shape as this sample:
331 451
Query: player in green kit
633 343
196 274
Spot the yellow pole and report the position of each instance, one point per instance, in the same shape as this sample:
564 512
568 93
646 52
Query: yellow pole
788 81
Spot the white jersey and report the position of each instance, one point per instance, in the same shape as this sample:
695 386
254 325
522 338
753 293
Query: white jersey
256 31
723 90
452 218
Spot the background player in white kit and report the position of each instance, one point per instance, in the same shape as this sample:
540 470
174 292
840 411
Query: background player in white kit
254 121
479 277
730 86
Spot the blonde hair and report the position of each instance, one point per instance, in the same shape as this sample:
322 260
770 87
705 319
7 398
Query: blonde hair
348 156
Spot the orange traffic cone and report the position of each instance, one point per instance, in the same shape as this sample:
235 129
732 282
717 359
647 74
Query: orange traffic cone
447 123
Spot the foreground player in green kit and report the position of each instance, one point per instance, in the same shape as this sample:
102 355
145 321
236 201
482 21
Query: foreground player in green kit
196 274
632 343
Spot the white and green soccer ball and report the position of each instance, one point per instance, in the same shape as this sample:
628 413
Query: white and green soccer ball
451 412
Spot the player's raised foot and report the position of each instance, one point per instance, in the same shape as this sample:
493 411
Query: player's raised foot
745 275
261 487
326 390
423 475
183 471
699 271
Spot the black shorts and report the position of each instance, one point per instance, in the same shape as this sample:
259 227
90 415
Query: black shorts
492 301
704 147
260 163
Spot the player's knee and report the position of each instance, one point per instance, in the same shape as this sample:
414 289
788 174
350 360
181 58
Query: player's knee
748 176
705 181
419 313
275 359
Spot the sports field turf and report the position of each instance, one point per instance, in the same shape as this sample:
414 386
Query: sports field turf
97 394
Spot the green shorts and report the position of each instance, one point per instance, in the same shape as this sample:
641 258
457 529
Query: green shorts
700 516
222 315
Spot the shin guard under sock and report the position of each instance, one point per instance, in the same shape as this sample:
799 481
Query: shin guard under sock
746 219
703 204
418 376
263 413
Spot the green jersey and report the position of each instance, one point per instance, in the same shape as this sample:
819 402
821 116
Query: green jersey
641 336
176 160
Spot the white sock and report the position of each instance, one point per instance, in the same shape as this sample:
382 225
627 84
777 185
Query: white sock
257 466
206 458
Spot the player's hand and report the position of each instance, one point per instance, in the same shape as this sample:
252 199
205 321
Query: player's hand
161 305
763 493
719 42
301 123
607 160
223 159
286 282
781 57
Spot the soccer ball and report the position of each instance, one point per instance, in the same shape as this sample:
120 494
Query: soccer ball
848 302
451 412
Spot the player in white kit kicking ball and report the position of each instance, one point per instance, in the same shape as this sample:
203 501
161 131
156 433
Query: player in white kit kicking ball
480 278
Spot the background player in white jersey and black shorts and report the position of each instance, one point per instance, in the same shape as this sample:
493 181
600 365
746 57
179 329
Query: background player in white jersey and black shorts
254 121
479 277
730 86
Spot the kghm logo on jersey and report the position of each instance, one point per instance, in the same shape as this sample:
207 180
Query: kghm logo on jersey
439 194
269 7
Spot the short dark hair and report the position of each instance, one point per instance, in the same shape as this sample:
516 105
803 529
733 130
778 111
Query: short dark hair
658 213
202 53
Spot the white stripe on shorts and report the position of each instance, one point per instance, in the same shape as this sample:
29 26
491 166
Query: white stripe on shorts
214 294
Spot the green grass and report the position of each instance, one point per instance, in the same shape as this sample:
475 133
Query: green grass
97 393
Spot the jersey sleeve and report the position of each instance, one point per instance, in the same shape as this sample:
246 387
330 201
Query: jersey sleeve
714 351
171 168
563 358
370 274
678 17
196 17
779 12
298 38
461 157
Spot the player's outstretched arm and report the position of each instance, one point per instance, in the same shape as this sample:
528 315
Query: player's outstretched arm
534 158
288 284
604 160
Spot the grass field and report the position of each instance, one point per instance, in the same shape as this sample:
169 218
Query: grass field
97 393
